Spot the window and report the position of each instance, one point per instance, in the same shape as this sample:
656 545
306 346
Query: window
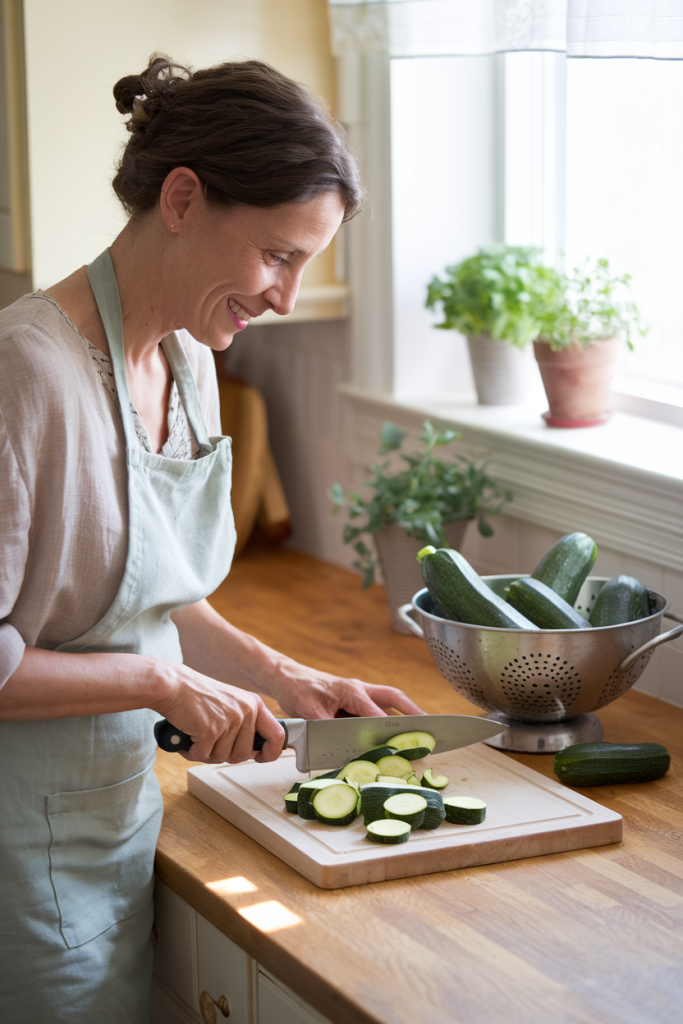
581 157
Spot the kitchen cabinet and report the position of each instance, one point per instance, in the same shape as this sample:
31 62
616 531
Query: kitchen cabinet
200 975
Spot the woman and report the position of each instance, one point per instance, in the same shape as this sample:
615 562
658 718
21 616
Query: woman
116 522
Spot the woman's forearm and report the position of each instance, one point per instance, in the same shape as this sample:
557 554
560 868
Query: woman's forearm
220 719
55 684
216 648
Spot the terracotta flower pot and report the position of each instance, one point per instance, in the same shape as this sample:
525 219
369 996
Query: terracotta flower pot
577 381
400 567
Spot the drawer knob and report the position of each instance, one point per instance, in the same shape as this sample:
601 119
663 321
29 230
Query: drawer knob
208 1007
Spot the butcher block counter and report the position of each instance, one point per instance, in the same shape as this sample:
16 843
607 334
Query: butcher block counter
588 936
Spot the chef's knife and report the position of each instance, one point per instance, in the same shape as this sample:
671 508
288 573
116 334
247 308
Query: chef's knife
332 742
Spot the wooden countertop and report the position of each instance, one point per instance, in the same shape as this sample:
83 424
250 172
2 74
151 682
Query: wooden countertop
591 936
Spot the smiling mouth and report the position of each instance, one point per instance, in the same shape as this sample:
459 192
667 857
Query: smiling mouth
239 314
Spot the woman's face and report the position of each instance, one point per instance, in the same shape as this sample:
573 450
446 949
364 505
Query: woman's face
227 266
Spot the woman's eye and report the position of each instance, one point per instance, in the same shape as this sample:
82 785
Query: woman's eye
277 259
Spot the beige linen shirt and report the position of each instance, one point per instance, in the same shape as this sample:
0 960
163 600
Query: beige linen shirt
63 481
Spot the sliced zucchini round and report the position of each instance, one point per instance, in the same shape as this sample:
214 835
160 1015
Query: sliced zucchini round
375 753
361 772
412 780
464 810
391 780
388 830
408 807
307 791
433 781
397 767
336 805
291 801
414 745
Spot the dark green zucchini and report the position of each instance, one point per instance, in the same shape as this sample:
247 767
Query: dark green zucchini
543 606
622 599
463 595
374 796
375 754
566 565
603 764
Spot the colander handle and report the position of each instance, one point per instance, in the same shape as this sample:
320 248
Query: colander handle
663 638
404 614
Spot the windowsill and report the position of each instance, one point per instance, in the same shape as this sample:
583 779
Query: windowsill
621 482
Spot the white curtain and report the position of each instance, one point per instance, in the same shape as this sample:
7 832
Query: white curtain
580 28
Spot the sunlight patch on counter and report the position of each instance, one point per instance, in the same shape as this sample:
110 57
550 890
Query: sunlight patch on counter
270 916
231 886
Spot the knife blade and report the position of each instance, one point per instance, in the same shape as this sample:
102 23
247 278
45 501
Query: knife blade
333 742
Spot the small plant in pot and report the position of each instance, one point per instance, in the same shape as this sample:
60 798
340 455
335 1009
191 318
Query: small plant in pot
422 500
579 344
500 298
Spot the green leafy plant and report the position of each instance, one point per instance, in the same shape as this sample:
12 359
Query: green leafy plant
598 304
422 497
503 290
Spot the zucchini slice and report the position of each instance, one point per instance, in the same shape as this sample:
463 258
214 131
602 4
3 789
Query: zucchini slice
373 798
361 772
375 753
391 780
388 830
408 807
336 805
433 781
464 810
307 791
412 780
397 767
413 745
291 802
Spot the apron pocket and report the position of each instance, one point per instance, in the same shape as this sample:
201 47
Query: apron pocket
102 853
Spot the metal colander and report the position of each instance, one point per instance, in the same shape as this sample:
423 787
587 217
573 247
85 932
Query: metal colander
540 675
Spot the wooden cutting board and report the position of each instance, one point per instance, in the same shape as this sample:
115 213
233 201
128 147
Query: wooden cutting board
527 815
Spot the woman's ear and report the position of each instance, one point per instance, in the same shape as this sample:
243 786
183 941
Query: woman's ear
181 190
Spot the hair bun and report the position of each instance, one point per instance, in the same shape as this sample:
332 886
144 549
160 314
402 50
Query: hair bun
160 74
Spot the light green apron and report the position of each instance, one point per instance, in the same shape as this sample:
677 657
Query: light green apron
80 807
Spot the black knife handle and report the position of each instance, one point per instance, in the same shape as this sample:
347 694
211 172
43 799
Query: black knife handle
172 739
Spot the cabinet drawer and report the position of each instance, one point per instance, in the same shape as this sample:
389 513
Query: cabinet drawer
225 971
175 954
279 1005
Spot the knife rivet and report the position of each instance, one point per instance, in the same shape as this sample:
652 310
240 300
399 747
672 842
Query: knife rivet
175 739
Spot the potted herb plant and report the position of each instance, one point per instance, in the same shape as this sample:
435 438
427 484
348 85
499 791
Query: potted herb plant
580 342
426 500
500 299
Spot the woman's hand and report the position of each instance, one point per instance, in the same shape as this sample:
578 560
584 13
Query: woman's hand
221 719
304 692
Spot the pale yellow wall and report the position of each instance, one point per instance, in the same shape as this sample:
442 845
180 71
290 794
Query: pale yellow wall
77 49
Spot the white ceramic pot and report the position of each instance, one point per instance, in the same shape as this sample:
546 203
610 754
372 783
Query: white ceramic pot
501 371
400 567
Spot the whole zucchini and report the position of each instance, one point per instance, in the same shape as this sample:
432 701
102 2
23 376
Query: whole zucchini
567 564
603 764
622 599
543 606
463 595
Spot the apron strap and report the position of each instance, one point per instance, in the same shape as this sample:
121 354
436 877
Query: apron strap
103 282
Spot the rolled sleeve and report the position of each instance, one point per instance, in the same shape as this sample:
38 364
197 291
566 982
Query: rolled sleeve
12 649
15 521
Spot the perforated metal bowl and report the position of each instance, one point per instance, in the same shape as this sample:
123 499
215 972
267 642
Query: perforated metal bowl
540 676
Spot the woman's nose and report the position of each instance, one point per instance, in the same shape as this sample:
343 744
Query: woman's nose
282 296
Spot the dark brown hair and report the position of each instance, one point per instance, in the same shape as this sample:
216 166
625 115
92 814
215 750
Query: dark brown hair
252 136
